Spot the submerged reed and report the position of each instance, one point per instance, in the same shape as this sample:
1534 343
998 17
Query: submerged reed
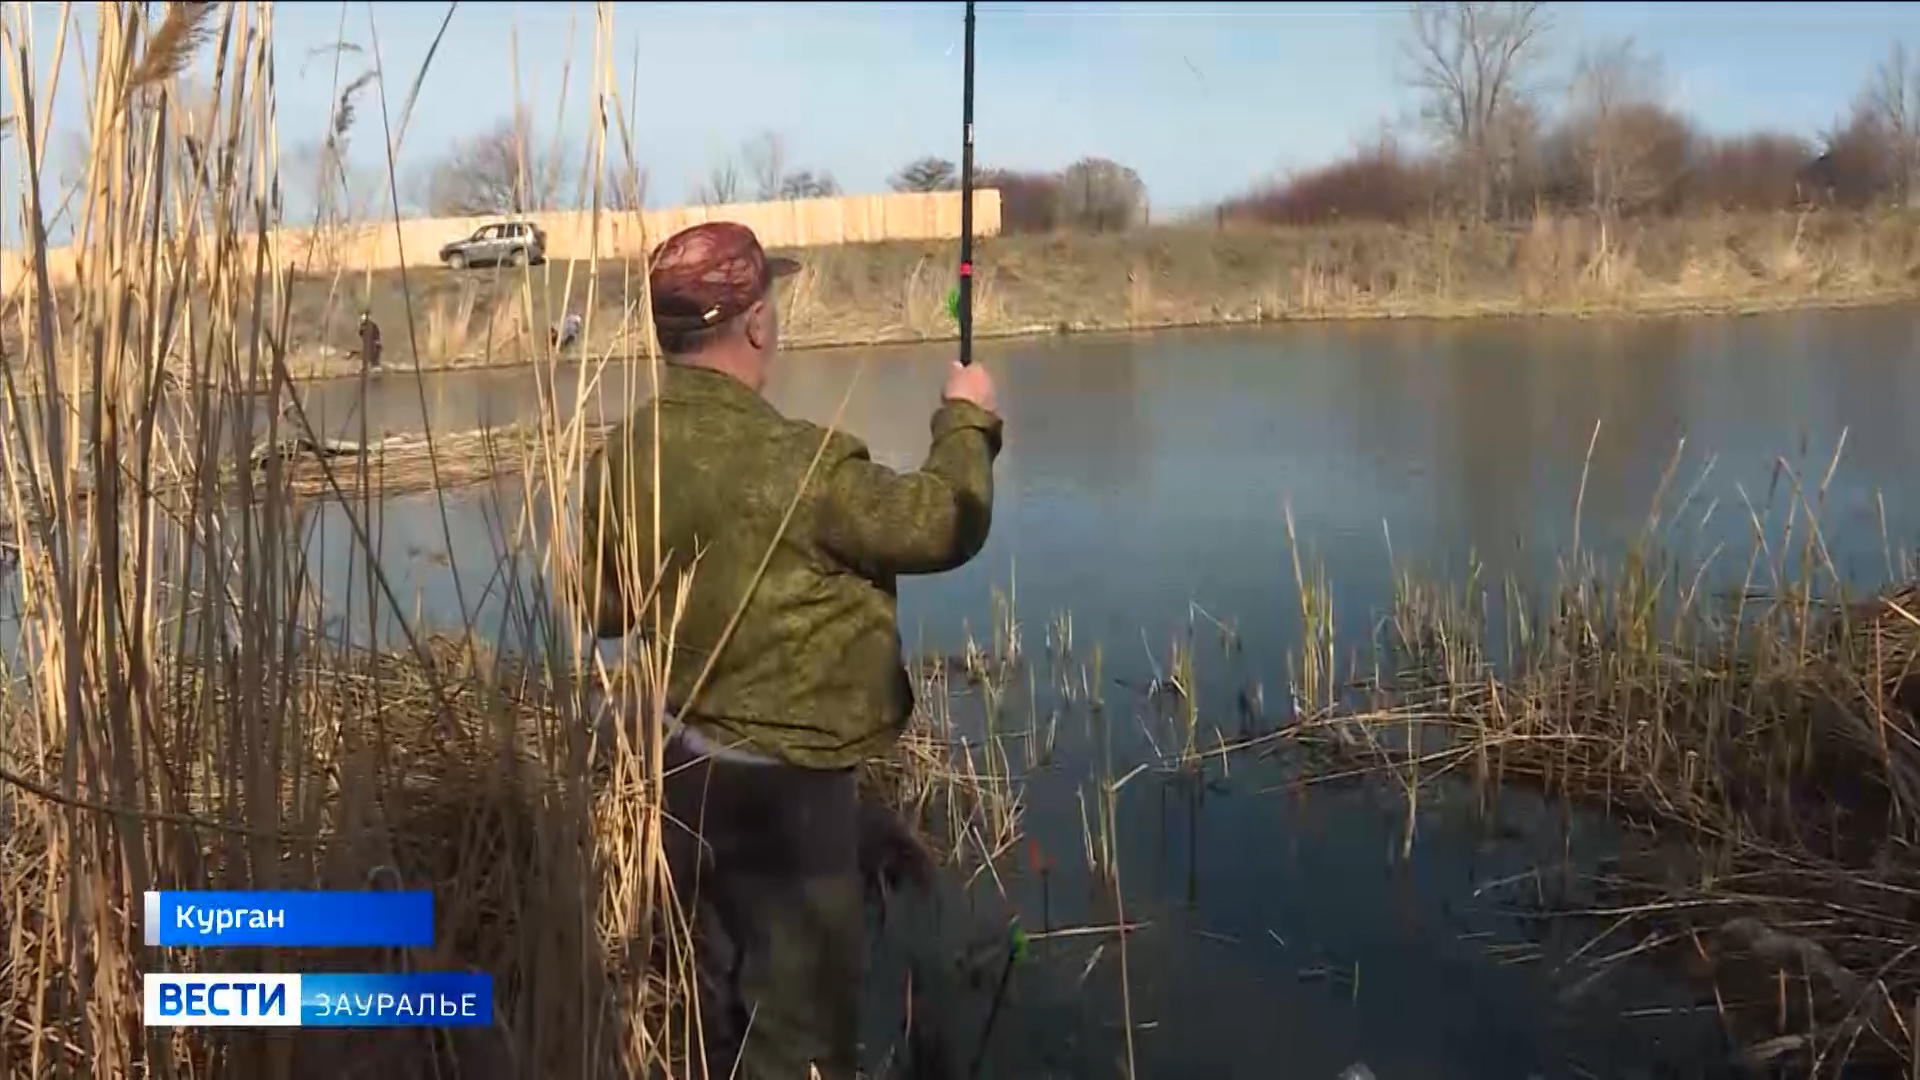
1763 744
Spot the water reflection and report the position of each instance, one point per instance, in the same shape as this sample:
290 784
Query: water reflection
1141 473
1092 413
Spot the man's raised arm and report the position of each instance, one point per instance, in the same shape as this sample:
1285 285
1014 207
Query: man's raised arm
925 522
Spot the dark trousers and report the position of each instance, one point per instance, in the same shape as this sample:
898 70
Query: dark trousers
765 860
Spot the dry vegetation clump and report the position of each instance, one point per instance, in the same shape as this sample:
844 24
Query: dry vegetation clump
1766 749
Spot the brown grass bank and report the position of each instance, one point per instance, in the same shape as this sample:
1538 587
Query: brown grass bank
1175 276
1763 750
860 294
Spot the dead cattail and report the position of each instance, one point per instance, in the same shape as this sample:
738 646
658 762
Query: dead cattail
186 28
343 114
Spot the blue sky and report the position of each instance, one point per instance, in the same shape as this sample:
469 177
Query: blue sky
1201 98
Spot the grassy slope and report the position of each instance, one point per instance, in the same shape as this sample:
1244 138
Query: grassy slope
1162 277
1174 276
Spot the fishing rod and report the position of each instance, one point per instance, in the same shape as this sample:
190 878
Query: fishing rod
964 307
1016 940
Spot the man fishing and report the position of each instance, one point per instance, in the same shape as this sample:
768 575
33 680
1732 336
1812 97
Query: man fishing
787 671
369 341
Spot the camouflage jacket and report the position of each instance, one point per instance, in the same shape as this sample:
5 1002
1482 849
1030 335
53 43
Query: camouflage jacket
812 672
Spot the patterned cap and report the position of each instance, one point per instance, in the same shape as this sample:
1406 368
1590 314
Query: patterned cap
707 274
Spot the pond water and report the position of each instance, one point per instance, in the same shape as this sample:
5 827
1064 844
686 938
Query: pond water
1149 479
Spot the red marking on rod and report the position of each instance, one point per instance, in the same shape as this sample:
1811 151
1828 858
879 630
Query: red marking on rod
966 269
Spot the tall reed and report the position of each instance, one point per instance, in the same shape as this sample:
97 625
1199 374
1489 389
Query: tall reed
187 708
192 702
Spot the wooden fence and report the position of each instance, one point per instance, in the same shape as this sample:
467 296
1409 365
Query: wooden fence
851 219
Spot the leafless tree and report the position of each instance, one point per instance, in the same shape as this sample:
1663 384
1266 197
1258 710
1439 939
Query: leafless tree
624 189
1514 160
1759 171
769 176
499 171
808 184
722 185
927 174
1470 61
1030 202
766 159
1624 138
1855 167
1102 195
1891 105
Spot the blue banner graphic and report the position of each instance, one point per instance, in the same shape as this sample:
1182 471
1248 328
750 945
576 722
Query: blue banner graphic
426 999
297 919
